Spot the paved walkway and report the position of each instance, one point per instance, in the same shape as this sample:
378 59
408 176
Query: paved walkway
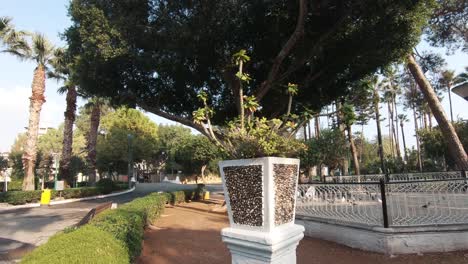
190 234
25 228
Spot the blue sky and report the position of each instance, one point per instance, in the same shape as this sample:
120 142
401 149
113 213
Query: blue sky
50 18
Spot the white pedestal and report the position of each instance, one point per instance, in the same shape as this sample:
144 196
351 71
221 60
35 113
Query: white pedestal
256 247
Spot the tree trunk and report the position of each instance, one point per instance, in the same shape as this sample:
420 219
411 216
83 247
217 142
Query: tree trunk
317 127
203 173
455 147
353 151
305 132
390 130
417 139
69 114
308 127
395 128
92 141
37 99
450 102
404 141
342 127
379 131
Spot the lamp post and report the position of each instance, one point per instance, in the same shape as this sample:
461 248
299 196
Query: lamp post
130 159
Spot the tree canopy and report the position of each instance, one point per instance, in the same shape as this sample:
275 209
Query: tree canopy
161 54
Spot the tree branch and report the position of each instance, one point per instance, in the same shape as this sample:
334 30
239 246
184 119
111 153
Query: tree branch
285 51
178 119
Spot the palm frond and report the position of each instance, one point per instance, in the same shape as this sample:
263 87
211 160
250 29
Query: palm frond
42 49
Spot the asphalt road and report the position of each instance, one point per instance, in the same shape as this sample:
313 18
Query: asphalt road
29 227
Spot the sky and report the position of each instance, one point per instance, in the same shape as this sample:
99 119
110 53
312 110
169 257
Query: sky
50 18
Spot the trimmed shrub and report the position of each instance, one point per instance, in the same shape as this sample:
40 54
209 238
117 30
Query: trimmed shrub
23 197
127 223
20 197
178 197
88 244
106 185
125 226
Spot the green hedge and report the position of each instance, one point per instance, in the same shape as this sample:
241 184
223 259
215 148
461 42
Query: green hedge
88 244
127 223
114 236
23 197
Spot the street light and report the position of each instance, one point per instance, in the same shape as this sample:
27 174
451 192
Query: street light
130 159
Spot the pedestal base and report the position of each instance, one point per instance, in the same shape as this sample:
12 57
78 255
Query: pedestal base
255 247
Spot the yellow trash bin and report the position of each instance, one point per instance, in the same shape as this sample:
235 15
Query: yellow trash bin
45 197
206 195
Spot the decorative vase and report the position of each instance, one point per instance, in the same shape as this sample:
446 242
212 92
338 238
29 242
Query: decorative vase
260 196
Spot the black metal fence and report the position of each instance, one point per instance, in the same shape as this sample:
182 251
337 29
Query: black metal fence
428 200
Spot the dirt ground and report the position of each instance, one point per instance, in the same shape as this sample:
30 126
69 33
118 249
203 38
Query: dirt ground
190 234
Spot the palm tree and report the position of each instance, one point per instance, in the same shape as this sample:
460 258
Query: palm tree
447 79
403 119
374 82
455 147
95 104
462 77
36 48
61 72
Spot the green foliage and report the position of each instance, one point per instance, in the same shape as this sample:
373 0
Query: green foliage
261 138
128 221
177 197
436 150
23 197
87 244
123 52
112 146
329 149
106 186
20 197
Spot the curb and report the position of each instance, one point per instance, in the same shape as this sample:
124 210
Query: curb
32 205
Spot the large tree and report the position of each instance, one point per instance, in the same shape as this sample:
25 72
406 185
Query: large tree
454 143
160 54
36 48
61 71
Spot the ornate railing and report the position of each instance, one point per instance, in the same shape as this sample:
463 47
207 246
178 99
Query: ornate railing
387 204
416 176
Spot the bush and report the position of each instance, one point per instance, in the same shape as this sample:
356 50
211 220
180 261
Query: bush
125 226
23 197
176 197
20 197
106 186
127 223
88 244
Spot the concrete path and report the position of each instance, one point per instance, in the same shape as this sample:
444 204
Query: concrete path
190 234
29 227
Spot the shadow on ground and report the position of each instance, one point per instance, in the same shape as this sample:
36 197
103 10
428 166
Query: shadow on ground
190 234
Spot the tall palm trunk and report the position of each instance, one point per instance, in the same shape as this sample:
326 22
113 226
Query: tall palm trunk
455 147
92 141
379 131
395 128
353 151
418 147
317 127
70 115
342 128
30 151
390 128
404 141
450 102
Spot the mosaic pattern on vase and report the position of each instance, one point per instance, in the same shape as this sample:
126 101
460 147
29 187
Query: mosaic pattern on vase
284 176
244 185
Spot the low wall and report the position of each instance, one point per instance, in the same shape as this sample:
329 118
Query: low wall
403 240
